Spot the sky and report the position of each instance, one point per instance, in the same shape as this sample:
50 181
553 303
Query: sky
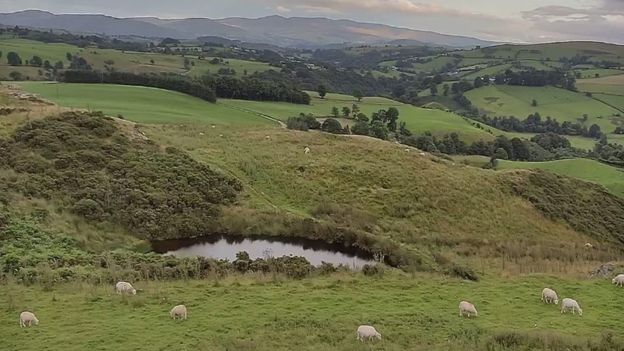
500 20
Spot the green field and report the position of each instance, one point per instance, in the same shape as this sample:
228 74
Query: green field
606 85
557 103
147 105
136 62
552 51
601 72
418 120
246 313
491 71
616 101
144 105
610 177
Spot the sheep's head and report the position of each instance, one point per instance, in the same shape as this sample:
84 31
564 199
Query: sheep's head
613 281
133 291
36 321
378 336
580 311
556 301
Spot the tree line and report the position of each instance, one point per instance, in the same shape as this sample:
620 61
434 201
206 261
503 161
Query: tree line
534 123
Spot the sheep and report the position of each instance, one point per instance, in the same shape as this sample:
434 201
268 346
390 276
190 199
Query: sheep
589 246
550 296
306 150
124 288
268 137
367 332
468 309
569 304
618 280
27 319
178 311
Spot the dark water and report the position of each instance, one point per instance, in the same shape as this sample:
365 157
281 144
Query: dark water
222 247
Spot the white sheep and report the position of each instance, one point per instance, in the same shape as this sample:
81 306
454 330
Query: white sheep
467 309
550 296
306 150
589 246
178 311
569 304
27 319
366 332
618 280
123 288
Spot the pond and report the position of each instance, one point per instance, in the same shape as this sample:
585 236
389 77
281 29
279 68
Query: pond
226 247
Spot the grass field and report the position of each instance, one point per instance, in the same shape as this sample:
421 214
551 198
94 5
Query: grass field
610 177
601 72
552 51
616 101
136 62
247 313
607 85
147 105
418 120
557 103
144 105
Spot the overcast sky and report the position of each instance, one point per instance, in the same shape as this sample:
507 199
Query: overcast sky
504 20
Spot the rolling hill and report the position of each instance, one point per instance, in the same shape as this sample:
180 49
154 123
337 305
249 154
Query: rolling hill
564 105
275 30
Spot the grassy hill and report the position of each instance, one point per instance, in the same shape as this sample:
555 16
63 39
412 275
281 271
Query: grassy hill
552 52
141 104
257 313
610 177
453 220
136 62
157 106
613 85
564 105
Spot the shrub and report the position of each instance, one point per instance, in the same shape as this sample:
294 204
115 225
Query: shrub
331 125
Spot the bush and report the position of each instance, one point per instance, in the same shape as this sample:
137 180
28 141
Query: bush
464 272
373 270
331 125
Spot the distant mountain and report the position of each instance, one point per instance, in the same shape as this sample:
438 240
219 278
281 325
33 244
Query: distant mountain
96 24
273 30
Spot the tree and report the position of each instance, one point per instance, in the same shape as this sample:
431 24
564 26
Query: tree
392 116
322 91
355 109
379 130
346 112
16 75
361 128
47 65
594 131
445 89
69 56
520 150
478 83
434 90
358 95
36 61
335 112
331 125
58 65
501 154
403 131
14 59
362 117
534 103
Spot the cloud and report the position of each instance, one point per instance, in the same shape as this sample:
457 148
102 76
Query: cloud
604 22
346 6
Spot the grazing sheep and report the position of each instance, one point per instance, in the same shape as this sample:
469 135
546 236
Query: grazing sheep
467 309
589 246
618 280
366 332
423 154
178 312
550 296
124 288
27 319
268 137
306 150
569 304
